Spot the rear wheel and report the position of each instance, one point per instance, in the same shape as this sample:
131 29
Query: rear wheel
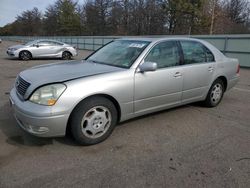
25 55
215 94
66 55
93 120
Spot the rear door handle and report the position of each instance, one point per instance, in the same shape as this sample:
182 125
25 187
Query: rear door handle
210 69
177 74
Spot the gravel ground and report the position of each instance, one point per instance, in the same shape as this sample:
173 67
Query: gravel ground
189 146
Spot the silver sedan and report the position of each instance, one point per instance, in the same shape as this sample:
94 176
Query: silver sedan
122 80
42 49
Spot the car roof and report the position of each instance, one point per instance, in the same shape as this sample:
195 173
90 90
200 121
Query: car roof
157 38
39 40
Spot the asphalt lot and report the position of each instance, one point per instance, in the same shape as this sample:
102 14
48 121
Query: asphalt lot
189 146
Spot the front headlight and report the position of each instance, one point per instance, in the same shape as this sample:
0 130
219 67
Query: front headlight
48 95
13 49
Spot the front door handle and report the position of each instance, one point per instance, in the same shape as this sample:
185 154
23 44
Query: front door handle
177 74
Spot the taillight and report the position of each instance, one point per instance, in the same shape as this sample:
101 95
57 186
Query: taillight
238 69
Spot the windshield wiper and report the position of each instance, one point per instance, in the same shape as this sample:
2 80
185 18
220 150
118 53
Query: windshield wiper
102 63
93 61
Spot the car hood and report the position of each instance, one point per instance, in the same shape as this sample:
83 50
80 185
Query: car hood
16 46
61 72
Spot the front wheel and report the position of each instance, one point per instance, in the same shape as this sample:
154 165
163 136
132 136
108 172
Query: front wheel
93 120
215 94
25 55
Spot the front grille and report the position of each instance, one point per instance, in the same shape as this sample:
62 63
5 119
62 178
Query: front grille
21 86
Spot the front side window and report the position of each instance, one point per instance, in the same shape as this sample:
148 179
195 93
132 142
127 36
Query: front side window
120 53
195 52
165 54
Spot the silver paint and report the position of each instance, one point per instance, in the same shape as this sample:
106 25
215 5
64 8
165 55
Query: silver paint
136 92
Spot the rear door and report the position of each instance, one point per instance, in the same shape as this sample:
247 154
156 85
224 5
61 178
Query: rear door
198 70
163 87
55 48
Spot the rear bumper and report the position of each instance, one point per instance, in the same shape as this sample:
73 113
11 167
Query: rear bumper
37 120
233 81
74 53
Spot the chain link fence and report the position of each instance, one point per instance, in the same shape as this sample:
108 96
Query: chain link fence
236 46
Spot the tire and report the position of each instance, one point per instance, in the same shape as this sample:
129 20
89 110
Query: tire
25 55
66 55
215 93
93 120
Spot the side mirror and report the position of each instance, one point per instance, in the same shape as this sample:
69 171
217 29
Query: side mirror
36 45
148 66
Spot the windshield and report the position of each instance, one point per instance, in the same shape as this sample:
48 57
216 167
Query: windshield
29 43
120 53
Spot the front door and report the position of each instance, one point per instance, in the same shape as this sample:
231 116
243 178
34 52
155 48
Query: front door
42 49
161 88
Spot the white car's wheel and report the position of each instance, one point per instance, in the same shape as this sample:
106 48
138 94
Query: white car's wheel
25 55
66 55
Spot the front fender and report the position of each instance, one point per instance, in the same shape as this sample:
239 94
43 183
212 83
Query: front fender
118 85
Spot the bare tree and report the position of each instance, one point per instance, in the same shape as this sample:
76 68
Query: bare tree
134 17
29 22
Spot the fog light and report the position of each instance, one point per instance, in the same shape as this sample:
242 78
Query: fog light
38 129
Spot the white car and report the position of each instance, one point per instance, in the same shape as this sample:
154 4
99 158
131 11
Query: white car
42 49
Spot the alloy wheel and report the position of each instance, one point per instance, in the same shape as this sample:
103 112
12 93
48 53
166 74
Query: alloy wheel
216 93
96 122
25 55
66 56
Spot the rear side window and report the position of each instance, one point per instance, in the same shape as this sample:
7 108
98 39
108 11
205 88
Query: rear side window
55 43
195 52
209 55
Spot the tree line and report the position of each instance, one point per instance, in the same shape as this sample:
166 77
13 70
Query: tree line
133 17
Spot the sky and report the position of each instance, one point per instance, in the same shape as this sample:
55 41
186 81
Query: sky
9 9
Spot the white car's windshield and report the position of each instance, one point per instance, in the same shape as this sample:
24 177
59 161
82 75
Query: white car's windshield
120 53
30 43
